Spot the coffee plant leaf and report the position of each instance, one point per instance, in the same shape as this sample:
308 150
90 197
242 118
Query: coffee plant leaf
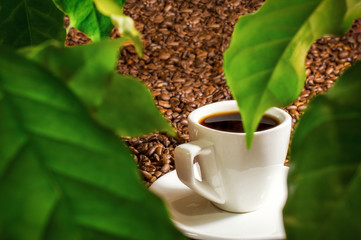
324 180
264 64
121 103
85 17
124 23
62 176
29 22
128 107
353 12
87 68
109 7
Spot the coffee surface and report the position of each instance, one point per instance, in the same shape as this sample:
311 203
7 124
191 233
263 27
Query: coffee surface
231 121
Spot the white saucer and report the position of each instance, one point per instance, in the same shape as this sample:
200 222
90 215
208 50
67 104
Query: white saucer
197 218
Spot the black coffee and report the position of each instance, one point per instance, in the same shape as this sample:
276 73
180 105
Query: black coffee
231 121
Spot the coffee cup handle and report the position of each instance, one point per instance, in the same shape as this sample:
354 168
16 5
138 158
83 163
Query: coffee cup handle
184 161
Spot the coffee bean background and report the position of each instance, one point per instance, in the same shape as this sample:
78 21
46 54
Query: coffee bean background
182 65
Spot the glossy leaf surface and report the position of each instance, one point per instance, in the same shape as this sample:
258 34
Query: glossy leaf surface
85 17
264 64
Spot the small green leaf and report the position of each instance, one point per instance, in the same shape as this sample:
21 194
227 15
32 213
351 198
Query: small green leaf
109 7
29 22
84 16
96 18
264 64
124 23
324 181
127 29
62 176
121 103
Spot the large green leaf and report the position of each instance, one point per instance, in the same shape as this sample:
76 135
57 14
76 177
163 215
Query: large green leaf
85 17
264 64
61 175
119 102
324 180
29 22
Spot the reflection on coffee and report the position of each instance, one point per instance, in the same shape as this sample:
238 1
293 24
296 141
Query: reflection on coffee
231 121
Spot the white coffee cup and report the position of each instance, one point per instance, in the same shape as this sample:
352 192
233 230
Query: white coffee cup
233 178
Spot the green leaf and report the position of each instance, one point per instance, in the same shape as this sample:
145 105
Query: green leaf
353 12
124 23
128 107
121 103
29 22
324 180
264 64
109 7
87 68
84 16
62 176
96 18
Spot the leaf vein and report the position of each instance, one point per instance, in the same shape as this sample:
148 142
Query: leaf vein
67 142
28 21
91 185
20 150
41 101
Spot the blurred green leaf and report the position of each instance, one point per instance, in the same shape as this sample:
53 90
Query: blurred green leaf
86 68
324 180
353 11
121 103
29 22
264 64
128 107
109 7
61 175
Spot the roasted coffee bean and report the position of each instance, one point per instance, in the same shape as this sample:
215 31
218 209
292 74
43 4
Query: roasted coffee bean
158 174
156 157
164 104
301 108
146 175
152 180
167 8
166 157
165 168
159 19
329 70
319 80
343 54
165 96
159 150
291 107
151 150
164 56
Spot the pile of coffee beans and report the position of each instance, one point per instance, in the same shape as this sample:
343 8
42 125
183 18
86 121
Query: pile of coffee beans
184 42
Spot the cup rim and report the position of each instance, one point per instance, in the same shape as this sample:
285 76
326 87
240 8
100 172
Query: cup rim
287 119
